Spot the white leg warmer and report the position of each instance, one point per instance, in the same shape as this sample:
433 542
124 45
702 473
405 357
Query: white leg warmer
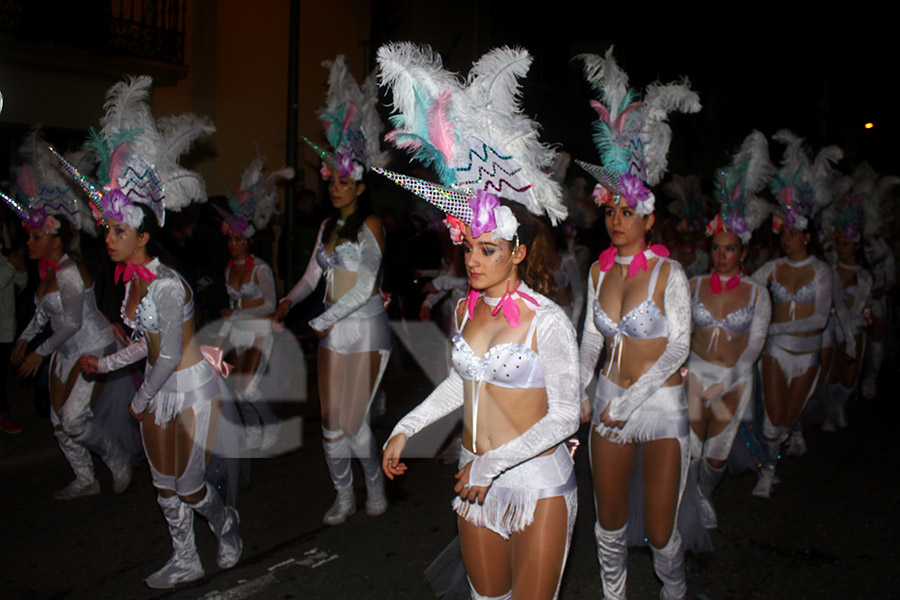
337 457
185 564
668 562
612 551
363 447
224 524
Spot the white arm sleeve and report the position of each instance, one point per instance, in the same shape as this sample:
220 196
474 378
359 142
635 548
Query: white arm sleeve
817 320
71 293
591 340
763 275
311 276
677 306
558 351
759 327
366 281
35 325
128 355
266 282
169 295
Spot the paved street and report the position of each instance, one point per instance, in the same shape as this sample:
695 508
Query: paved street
829 531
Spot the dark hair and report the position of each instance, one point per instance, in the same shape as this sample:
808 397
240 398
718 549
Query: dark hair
536 269
160 239
350 229
68 234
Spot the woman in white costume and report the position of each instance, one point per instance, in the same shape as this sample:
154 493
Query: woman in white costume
514 356
65 299
640 309
731 318
250 286
801 289
355 337
852 292
180 401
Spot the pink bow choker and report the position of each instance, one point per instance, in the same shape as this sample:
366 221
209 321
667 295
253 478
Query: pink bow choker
506 303
635 263
715 282
127 272
44 266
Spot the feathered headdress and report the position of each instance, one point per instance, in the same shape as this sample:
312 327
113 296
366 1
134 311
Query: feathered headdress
253 203
802 186
473 134
690 205
859 209
352 125
43 187
138 156
742 210
631 134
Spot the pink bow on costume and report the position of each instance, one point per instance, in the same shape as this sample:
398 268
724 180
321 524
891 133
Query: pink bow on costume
715 282
215 357
44 266
127 272
509 307
638 261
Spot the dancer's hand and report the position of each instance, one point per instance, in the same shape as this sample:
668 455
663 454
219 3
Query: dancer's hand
137 416
18 353
30 365
425 313
284 307
469 493
89 364
607 420
322 334
390 459
586 411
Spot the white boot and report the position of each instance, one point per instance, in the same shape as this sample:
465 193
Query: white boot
668 562
337 457
185 564
79 458
477 596
112 454
708 478
223 522
763 488
796 445
612 552
363 447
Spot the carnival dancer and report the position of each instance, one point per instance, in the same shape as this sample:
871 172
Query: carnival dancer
880 257
179 404
801 289
250 286
65 299
514 353
731 319
640 306
355 337
852 291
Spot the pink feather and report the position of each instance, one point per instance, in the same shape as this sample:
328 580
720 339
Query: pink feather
601 110
440 126
117 164
28 181
623 116
348 118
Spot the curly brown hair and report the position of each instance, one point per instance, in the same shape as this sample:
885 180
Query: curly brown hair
541 259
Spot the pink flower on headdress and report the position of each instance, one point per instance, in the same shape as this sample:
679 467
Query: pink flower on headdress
242 195
113 204
36 218
715 226
483 205
325 170
345 164
51 224
601 195
226 226
634 190
777 223
455 226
